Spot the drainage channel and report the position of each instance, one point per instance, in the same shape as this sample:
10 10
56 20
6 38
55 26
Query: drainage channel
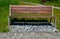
32 28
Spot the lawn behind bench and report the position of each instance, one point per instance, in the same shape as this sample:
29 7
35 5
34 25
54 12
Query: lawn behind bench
57 14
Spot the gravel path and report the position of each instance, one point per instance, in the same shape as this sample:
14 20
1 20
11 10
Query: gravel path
30 35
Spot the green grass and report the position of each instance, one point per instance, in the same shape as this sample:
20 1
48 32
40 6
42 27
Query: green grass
53 3
48 2
3 19
57 14
29 20
33 1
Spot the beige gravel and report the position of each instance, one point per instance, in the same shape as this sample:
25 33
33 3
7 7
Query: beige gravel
30 35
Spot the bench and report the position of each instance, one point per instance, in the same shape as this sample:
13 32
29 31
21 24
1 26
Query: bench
31 11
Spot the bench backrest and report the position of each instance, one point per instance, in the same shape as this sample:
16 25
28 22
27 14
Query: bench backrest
21 10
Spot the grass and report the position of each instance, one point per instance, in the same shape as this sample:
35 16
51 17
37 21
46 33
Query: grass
48 2
57 14
33 1
57 4
4 19
29 20
4 12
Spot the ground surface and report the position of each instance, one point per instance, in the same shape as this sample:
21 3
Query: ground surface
30 35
